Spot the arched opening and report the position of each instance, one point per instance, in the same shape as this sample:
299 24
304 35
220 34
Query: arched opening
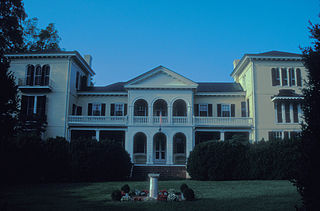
141 108
160 107
179 148
159 147
140 148
179 108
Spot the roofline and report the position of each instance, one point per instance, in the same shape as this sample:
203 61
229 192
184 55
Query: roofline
254 57
237 93
154 69
59 54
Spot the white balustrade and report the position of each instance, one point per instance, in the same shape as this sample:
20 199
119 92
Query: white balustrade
98 119
224 121
180 120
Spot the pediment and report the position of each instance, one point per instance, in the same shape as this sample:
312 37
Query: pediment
161 77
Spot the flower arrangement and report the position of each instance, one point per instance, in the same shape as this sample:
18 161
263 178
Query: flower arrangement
162 195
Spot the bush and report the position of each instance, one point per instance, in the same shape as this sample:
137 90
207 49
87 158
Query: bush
125 188
116 195
183 187
214 160
188 194
276 159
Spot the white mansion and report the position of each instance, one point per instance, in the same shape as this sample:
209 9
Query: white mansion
159 116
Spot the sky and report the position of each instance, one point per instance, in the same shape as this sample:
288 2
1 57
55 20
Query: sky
197 39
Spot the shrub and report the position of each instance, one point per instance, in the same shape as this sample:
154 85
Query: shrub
188 194
183 187
125 188
116 195
215 160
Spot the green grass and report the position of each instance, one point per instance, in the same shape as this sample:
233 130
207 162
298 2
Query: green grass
212 195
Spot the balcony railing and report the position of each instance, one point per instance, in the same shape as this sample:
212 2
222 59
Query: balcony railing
155 120
224 121
111 120
43 84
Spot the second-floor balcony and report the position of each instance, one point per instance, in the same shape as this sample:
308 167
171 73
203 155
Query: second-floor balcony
163 121
35 85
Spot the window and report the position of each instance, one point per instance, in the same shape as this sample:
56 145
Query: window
96 109
79 111
77 80
30 75
299 80
140 141
74 108
284 76
119 109
45 74
225 111
279 135
33 105
292 77
203 109
278 112
243 109
38 76
275 73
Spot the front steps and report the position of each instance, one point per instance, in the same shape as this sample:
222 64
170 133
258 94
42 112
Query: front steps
166 172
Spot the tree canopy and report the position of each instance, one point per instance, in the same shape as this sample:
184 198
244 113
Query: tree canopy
308 178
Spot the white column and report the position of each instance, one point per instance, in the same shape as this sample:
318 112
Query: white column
291 113
69 135
35 105
300 114
98 135
130 114
222 135
129 144
169 114
283 112
189 113
169 151
149 149
188 143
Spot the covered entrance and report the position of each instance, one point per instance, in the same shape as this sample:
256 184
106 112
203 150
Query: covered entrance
159 147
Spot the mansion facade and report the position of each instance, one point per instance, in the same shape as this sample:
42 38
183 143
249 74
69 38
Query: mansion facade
160 115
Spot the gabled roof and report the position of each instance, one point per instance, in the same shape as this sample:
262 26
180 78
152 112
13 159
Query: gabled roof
276 54
181 81
219 87
52 54
269 55
116 87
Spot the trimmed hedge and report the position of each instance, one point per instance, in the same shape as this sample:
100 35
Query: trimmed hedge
231 160
28 159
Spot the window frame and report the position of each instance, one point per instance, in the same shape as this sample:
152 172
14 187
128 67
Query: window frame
96 105
203 112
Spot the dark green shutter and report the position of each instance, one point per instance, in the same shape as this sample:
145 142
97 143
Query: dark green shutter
112 110
103 109
273 76
209 109
233 110
125 109
196 109
219 110
89 109
299 81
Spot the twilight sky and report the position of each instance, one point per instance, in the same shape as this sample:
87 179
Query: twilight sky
198 39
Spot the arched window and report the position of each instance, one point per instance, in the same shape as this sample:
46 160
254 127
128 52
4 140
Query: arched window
30 75
38 75
179 108
141 108
45 75
179 143
160 107
140 143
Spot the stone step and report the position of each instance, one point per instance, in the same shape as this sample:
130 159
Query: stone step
166 172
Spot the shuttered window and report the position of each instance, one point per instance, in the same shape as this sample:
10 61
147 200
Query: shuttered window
299 79
275 75
243 109
284 76
295 113
287 112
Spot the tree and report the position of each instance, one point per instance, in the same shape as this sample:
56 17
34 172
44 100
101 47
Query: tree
40 40
308 178
11 16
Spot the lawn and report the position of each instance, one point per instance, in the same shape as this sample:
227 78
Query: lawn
212 195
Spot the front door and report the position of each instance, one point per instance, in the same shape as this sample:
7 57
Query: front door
160 147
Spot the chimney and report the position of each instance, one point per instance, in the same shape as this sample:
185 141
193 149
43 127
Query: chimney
88 59
235 63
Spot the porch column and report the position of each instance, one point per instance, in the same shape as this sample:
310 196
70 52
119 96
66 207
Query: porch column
300 114
130 114
98 135
189 144
169 114
283 112
69 135
149 150
189 113
291 113
222 135
129 145
150 115
169 151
